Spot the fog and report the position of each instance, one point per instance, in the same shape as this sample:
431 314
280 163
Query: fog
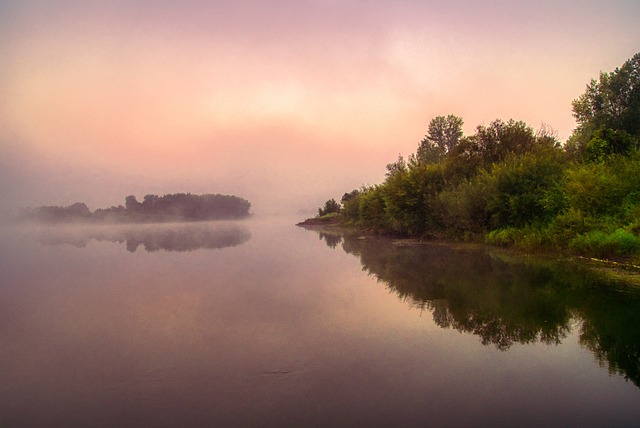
284 183
155 237
283 103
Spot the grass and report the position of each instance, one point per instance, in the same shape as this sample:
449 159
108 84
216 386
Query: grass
620 242
528 237
327 217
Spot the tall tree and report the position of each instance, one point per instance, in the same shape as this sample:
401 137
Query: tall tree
501 138
443 134
610 102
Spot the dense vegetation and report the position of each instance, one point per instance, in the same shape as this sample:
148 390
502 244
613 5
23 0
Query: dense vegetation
174 207
511 185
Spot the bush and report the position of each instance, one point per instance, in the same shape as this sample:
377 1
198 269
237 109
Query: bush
331 206
371 209
464 208
528 237
598 243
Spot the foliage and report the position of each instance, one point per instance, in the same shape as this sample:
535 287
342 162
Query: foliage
516 186
371 209
351 204
527 237
331 206
443 135
607 142
605 189
463 161
612 102
619 242
409 197
519 188
501 139
463 208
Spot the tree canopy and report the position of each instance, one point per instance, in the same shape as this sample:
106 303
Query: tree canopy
443 134
609 110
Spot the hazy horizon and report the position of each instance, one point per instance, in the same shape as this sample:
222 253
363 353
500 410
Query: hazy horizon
283 103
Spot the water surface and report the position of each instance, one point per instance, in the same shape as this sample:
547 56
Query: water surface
261 323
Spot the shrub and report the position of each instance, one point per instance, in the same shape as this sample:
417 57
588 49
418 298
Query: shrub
619 242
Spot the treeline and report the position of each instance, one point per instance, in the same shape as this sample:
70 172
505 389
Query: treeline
173 207
510 184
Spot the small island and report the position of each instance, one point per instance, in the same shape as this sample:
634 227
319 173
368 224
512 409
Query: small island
178 207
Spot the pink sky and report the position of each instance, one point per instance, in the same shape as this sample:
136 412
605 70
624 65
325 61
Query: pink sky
286 103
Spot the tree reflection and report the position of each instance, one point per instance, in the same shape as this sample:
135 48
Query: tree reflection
332 240
506 301
612 332
469 290
173 237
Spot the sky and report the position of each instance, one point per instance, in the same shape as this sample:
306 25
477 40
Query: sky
284 103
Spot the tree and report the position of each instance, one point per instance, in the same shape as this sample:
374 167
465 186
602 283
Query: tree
463 161
500 138
351 205
132 204
397 167
612 101
331 206
349 196
443 134
519 188
492 144
606 142
372 209
149 203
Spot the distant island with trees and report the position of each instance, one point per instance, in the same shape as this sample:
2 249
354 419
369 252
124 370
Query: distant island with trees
510 185
178 207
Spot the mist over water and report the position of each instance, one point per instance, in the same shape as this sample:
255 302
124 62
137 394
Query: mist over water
152 237
259 322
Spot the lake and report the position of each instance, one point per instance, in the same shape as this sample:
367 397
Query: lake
262 323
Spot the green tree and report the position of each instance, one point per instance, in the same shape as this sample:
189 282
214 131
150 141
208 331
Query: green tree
500 138
463 161
397 167
443 134
372 209
612 101
331 206
606 142
463 208
409 197
521 186
351 205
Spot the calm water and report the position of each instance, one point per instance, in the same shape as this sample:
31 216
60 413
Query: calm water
261 323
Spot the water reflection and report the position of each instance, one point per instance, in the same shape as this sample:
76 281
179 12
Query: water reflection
331 240
504 300
168 237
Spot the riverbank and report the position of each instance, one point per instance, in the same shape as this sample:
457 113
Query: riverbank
332 219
